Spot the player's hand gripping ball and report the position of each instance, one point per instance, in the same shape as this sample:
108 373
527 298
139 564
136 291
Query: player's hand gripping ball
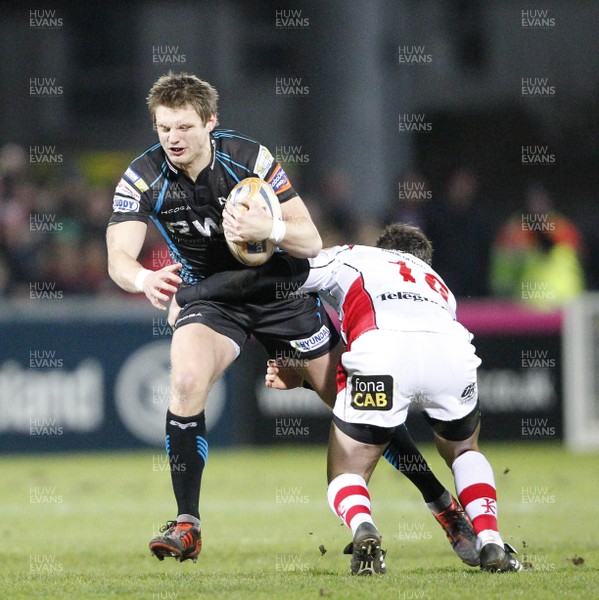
253 254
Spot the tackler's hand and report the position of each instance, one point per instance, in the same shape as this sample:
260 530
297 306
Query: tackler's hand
281 378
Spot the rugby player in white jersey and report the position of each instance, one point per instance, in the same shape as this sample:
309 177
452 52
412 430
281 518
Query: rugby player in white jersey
403 346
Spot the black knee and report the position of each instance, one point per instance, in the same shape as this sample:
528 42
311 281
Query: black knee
366 434
458 430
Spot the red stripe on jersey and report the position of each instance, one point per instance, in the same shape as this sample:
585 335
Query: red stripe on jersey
341 377
358 312
483 522
355 510
349 490
475 492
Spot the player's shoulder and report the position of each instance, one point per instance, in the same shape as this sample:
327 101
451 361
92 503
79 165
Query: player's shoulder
361 250
145 168
336 250
247 157
375 254
232 139
392 252
328 256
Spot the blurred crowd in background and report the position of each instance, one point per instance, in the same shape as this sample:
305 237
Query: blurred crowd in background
53 223
52 228
475 120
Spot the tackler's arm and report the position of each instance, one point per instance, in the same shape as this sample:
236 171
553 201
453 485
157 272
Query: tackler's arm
275 280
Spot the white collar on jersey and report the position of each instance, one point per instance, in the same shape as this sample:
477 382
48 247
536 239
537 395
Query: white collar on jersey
213 144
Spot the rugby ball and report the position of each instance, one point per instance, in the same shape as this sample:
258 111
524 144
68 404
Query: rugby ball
254 253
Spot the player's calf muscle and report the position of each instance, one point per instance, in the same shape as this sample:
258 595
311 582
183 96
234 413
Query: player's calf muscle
321 371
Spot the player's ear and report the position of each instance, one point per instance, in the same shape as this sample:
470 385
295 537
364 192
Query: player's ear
212 122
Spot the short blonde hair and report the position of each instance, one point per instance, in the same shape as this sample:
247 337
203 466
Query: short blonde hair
178 90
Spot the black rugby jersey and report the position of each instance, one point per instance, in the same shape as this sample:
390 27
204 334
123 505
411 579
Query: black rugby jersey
189 214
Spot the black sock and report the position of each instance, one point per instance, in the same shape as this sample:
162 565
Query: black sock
187 449
406 458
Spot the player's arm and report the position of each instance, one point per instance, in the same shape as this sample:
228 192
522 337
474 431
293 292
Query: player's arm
301 237
295 232
124 242
264 283
258 284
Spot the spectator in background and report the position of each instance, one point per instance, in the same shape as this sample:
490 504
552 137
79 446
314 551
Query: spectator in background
460 232
336 220
4 277
51 228
93 267
536 256
96 211
16 246
13 164
63 262
20 246
410 205
589 229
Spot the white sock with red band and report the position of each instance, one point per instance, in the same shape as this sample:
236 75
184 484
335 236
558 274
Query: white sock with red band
475 486
349 499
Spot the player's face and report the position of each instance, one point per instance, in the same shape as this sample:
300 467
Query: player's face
184 137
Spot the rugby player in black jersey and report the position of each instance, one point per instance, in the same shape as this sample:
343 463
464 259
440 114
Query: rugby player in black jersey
181 185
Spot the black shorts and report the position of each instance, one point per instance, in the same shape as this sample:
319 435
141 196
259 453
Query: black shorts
292 329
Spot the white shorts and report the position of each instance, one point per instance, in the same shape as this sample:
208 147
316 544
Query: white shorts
386 371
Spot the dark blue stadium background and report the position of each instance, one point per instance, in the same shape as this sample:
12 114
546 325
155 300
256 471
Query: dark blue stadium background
331 87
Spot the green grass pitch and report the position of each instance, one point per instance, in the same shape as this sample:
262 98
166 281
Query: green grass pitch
77 526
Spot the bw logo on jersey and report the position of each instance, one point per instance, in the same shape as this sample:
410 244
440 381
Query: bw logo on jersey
372 392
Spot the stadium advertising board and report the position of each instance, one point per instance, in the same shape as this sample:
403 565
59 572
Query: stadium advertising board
84 380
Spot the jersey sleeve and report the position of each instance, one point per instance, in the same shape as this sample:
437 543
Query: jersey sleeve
130 201
266 167
258 284
322 269
246 157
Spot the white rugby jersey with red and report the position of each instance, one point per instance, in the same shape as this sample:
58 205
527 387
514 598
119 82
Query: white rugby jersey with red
382 289
404 345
